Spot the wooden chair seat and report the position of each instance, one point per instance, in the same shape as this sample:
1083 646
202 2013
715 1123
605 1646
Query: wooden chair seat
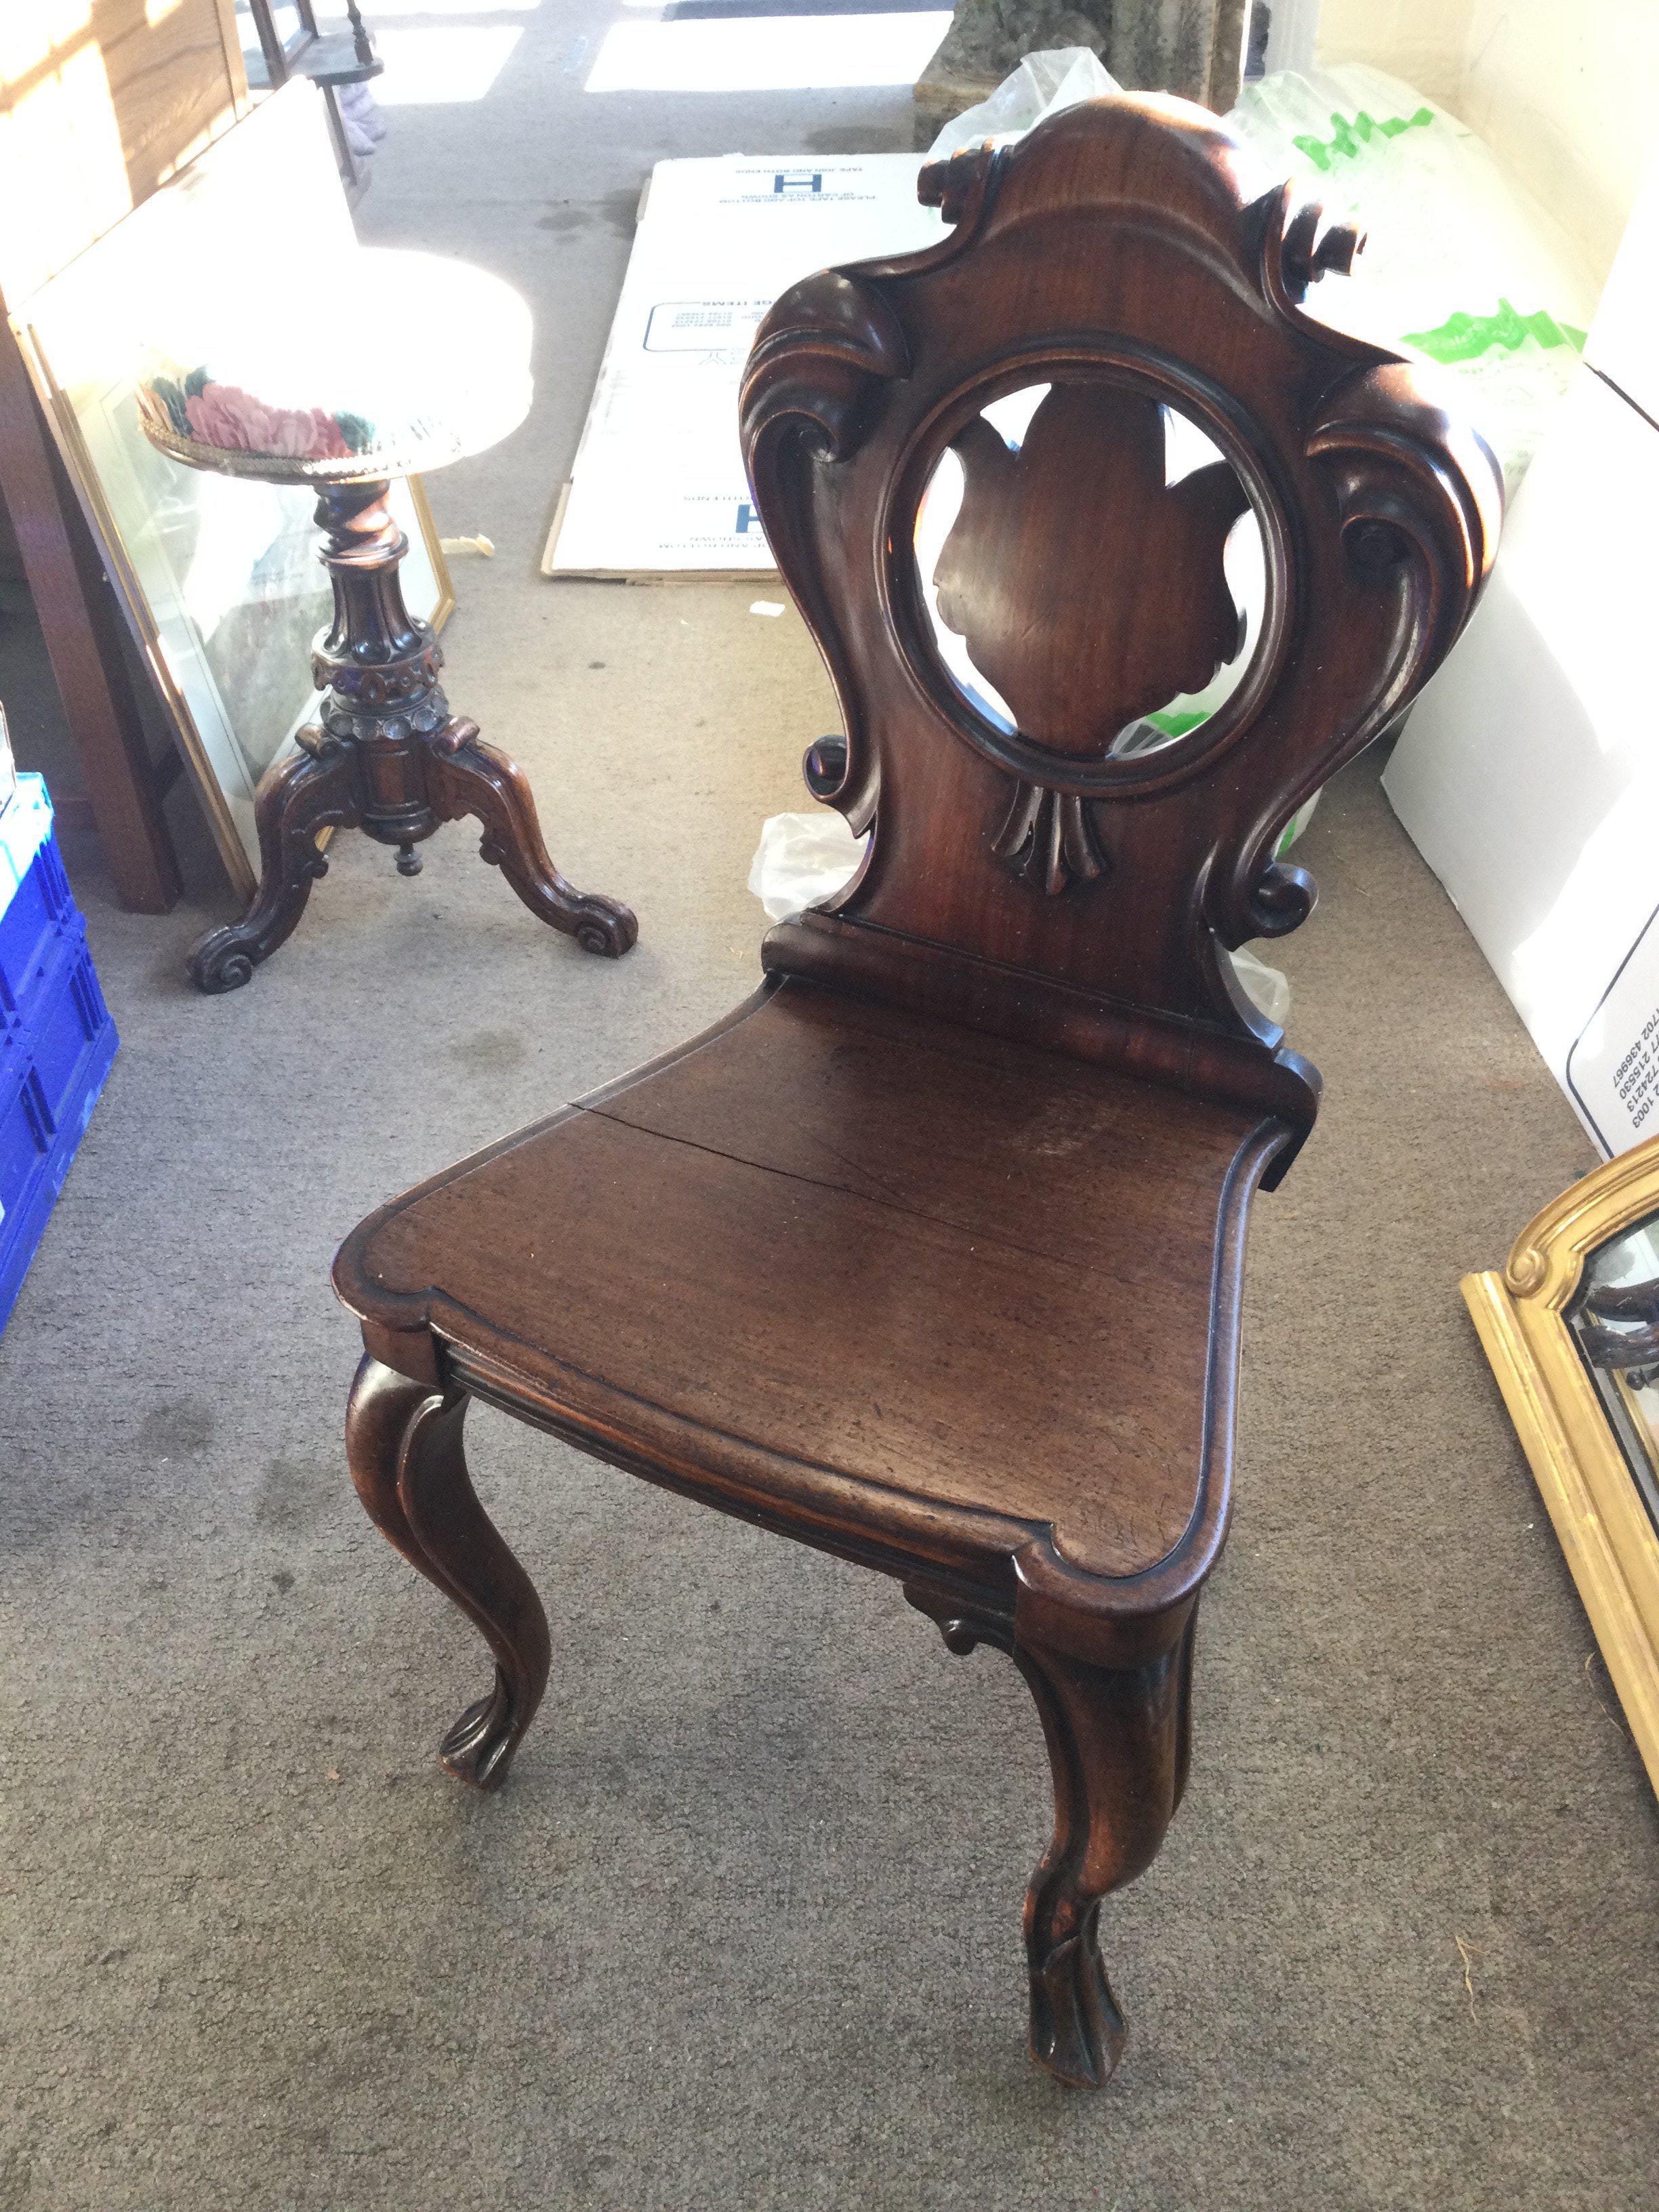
801 1248
930 1254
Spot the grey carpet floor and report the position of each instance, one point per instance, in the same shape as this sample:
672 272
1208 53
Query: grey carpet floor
743 1929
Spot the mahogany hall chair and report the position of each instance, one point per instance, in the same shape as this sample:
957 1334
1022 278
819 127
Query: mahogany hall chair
930 1254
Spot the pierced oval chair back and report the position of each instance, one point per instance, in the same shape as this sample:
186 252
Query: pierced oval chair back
1046 860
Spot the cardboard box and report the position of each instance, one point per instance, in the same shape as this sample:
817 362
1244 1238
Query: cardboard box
658 486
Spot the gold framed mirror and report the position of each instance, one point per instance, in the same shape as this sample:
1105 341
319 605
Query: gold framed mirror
1571 1328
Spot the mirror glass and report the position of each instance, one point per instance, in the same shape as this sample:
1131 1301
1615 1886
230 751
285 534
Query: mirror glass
1615 1322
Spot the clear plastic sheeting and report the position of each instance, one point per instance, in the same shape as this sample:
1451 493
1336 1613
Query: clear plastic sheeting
802 859
1044 83
1462 265
1269 988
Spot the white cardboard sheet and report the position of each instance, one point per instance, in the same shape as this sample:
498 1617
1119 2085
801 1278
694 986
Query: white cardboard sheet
658 488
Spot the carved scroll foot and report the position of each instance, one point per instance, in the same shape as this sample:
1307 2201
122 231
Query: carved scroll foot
308 792
470 777
404 1446
1117 1747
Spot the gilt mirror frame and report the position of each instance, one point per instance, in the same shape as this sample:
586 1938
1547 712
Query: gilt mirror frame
1523 1316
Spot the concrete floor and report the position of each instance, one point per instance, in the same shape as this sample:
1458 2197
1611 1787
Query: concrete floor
743 1929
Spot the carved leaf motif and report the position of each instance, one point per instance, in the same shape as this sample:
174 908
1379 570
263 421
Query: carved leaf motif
1048 839
1088 591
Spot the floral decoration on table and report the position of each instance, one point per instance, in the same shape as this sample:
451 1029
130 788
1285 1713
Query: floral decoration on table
196 406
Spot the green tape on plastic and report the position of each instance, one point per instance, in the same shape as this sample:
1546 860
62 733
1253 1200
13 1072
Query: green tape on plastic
1466 337
1347 138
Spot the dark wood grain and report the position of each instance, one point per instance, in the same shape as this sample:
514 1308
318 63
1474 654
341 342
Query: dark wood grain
1082 629
930 1254
403 1447
1121 252
1119 1740
1008 1261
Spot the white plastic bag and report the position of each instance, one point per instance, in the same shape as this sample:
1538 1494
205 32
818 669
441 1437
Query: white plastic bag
1044 83
801 861
1270 987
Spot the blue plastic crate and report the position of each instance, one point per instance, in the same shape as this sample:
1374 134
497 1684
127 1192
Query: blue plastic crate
57 1039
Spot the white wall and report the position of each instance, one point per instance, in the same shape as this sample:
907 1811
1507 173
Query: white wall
1565 92
1421 40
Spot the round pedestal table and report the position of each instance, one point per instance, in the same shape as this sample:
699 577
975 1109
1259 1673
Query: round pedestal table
258 385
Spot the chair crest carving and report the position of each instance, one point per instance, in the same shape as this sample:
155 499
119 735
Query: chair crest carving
1030 879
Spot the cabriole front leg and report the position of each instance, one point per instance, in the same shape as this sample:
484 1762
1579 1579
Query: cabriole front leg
403 1447
1117 1741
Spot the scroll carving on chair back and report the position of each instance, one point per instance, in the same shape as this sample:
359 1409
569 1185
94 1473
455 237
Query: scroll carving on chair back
1114 555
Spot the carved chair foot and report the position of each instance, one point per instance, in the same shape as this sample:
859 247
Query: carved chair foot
470 777
1117 1739
404 1446
1077 2030
479 1749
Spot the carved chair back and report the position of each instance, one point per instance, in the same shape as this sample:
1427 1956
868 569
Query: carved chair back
1046 862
